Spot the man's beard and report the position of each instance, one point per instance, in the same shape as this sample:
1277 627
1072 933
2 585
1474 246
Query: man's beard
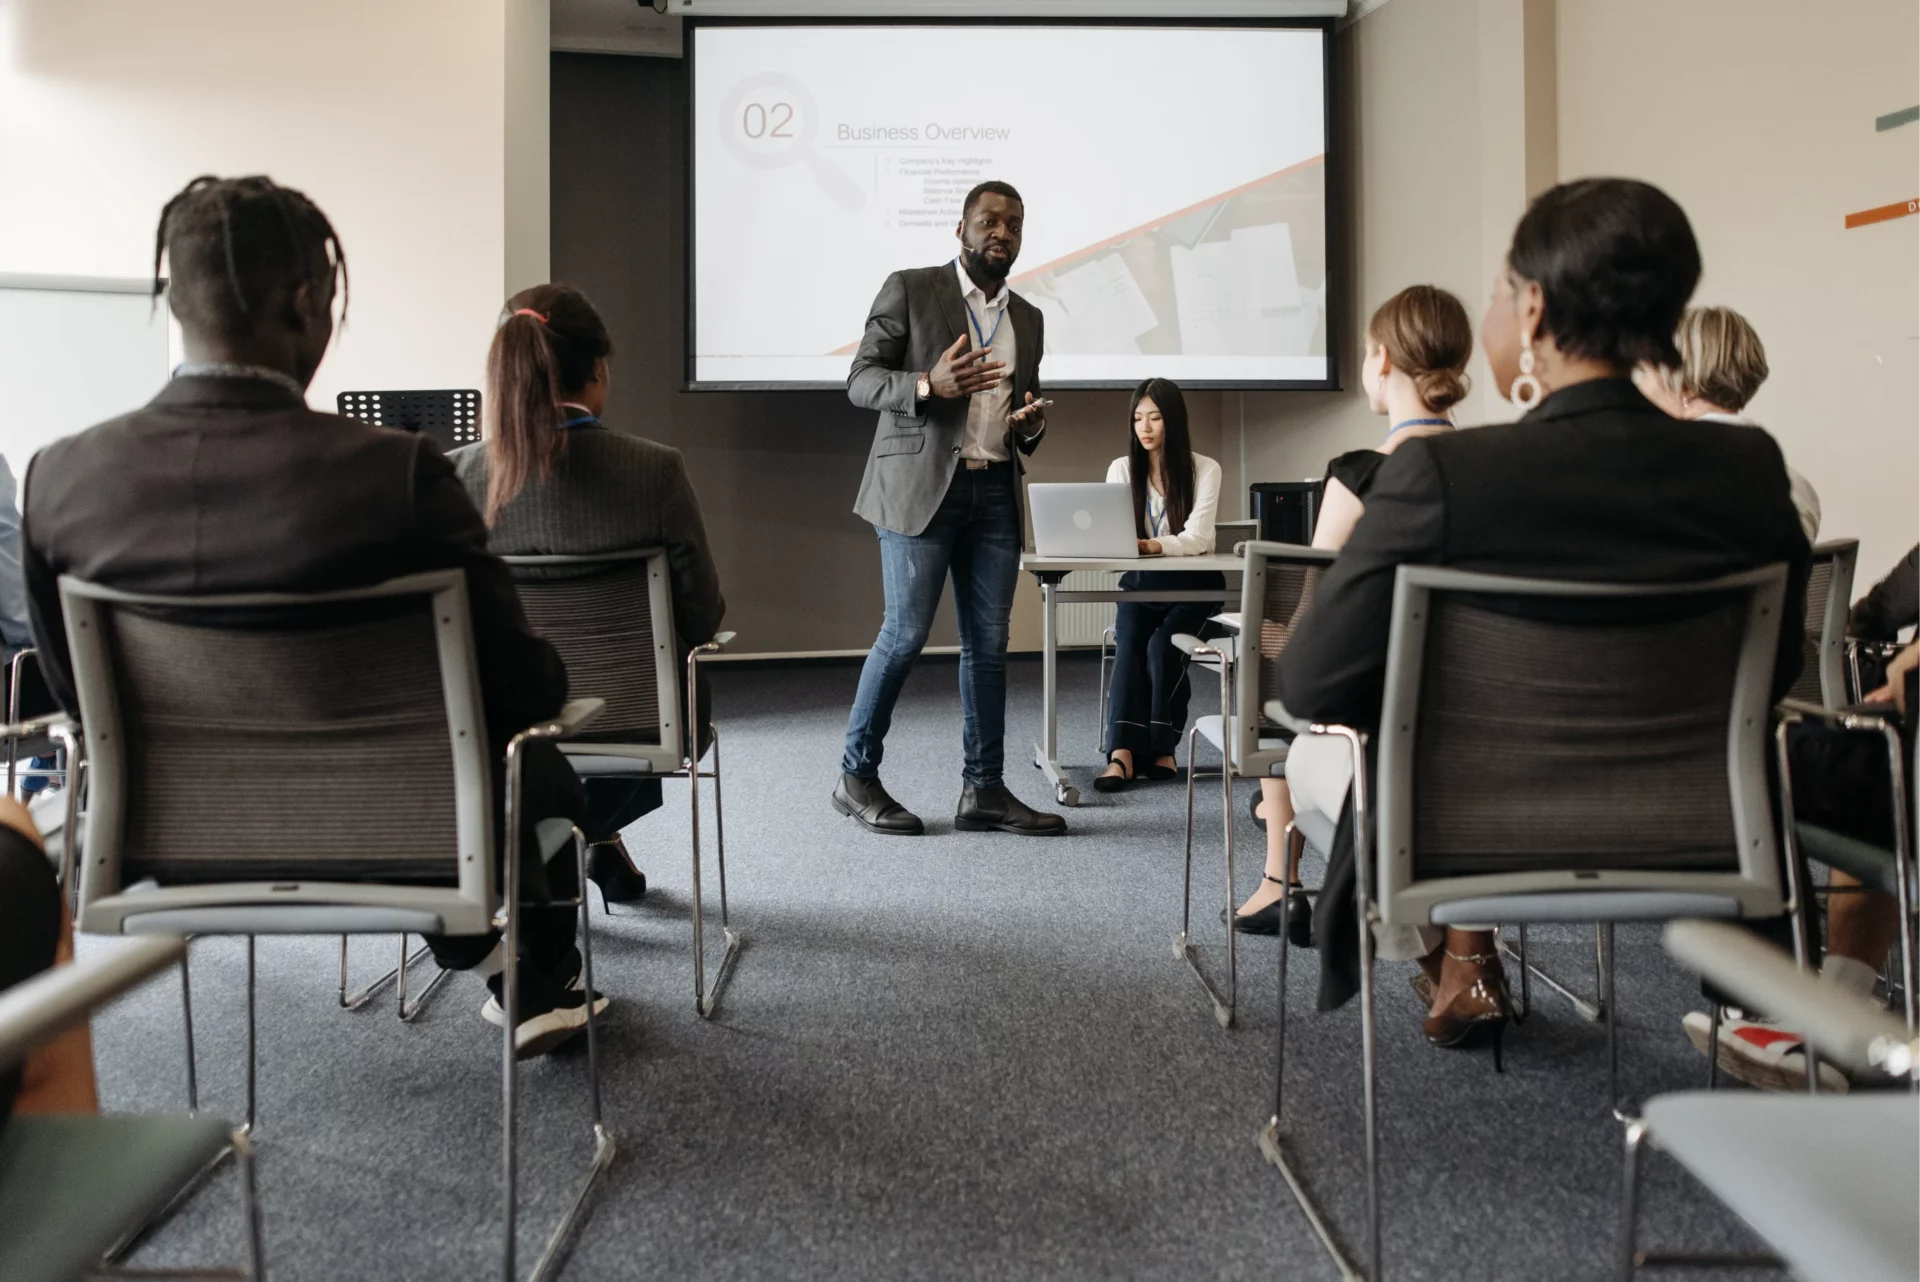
981 267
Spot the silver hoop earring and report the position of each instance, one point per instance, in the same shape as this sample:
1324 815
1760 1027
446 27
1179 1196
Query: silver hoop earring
1526 390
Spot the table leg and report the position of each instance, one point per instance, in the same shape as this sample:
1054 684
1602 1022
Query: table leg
1047 751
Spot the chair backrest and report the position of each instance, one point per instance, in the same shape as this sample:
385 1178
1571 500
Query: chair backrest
1823 667
610 615
1543 737
1276 590
333 737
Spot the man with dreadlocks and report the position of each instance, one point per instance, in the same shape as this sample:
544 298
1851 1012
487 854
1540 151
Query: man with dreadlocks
226 482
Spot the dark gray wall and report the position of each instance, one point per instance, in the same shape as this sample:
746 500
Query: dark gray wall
776 471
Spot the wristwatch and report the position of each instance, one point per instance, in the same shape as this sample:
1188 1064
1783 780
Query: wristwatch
923 389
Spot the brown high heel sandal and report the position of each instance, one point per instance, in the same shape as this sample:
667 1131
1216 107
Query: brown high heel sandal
1481 1011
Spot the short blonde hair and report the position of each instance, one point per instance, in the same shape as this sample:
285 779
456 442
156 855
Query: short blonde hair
1722 360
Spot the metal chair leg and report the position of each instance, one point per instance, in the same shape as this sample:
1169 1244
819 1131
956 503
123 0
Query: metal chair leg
1625 1259
186 1011
1183 947
1592 1012
249 1206
554 1256
360 997
410 1010
1795 863
705 1000
1604 940
1106 662
253 1039
1713 1047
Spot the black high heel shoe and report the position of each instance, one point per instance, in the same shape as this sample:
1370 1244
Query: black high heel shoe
611 868
1266 921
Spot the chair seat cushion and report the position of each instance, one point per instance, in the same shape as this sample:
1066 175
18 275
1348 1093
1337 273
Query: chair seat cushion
72 1187
1830 1182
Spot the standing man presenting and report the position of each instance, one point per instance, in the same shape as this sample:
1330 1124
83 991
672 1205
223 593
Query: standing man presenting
949 354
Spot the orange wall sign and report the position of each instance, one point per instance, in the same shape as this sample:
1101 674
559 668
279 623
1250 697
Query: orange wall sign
1899 209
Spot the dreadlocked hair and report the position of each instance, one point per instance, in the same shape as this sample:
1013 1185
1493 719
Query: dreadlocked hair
547 348
233 244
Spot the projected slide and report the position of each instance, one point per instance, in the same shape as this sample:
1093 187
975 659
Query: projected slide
1174 181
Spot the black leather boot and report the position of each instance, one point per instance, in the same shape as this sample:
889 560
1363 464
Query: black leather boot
866 802
987 809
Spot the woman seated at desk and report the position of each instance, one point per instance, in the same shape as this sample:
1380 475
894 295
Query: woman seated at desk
551 479
1175 495
1418 346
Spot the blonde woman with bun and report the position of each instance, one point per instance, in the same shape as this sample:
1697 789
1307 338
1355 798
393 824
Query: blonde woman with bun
1722 365
1418 345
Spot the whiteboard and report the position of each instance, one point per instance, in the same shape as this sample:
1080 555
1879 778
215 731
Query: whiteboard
74 351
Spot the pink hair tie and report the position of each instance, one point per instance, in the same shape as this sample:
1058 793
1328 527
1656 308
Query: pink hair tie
528 311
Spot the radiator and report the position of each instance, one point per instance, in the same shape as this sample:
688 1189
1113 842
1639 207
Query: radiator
1082 623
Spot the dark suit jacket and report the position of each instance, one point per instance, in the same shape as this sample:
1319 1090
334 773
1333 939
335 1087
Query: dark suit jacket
916 317
233 485
610 492
1596 485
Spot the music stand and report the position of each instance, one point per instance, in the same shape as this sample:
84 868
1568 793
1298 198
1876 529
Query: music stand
451 418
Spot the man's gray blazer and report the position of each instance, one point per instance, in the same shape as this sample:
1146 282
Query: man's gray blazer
917 316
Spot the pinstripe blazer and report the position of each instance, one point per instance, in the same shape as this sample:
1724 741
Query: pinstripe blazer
610 492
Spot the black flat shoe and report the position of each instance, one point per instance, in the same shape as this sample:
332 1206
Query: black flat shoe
1114 783
1266 921
610 868
866 802
997 810
1160 774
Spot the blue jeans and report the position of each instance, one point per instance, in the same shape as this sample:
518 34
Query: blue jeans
975 537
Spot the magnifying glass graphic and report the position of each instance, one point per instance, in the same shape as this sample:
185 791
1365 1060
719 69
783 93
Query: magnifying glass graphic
769 121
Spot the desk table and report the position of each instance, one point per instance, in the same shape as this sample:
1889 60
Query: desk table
1049 570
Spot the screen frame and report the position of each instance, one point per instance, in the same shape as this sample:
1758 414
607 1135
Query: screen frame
1332 233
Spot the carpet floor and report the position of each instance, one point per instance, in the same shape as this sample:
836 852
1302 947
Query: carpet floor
954 1057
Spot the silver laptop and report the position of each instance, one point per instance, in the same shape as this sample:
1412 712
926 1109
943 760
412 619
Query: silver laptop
1083 520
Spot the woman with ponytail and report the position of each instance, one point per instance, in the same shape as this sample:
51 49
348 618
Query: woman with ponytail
1418 345
552 479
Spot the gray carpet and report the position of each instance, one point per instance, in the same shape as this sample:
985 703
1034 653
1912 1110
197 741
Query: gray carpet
962 1056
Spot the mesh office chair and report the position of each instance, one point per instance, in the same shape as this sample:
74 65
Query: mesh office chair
348 740
611 617
1831 1183
1275 588
74 1188
1827 669
1604 765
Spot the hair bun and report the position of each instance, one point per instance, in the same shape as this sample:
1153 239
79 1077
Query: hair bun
1441 389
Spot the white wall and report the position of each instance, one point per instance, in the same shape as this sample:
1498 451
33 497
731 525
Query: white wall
1758 117
393 115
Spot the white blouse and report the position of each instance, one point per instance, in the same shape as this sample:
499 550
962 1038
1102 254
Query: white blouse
1196 538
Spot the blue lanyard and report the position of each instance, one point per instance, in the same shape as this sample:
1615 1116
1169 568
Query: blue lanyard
1418 422
579 420
974 321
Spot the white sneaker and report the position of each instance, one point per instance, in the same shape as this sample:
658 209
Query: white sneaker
544 1024
1760 1055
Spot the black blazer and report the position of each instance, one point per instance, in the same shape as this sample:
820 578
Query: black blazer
234 485
916 444
1595 484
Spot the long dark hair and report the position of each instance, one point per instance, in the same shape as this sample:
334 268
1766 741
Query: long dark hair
547 346
1175 449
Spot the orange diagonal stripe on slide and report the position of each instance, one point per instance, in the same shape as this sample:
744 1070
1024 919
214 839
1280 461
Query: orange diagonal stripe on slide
1131 232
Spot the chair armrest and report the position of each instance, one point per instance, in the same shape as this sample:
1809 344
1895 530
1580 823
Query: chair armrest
721 639
1844 718
1222 647
52 723
1276 712
568 722
38 1009
1189 644
1839 1025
